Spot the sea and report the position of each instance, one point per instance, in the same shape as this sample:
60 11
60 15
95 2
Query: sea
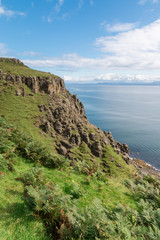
131 113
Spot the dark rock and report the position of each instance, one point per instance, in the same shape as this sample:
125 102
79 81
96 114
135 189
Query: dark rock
68 132
66 144
75 139
93 136
119 165
117 150
104 141
58 127
96 149
127 158
110 137
62 150
124 148
85 137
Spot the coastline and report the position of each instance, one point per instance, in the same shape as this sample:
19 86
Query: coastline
145 168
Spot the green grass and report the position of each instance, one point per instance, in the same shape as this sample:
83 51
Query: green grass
17 222
110 191
8 66
112 163
23 112
116 165
72 200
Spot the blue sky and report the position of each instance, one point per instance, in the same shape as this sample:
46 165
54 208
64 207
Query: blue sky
84 40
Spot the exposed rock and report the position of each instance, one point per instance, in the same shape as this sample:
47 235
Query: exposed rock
66 144
58 127
118 165
124 148
84 137
93 136
75 139
20 92
62 150
127 158
117 150
64 117
96 149
68 132
110 137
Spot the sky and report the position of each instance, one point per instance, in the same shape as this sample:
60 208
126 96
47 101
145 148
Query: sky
84 40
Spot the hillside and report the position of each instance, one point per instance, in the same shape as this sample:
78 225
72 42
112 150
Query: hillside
60 173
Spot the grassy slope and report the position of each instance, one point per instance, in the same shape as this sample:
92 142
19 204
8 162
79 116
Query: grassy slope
17 221
23 112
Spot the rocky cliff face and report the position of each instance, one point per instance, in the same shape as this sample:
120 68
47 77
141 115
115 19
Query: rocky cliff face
64 118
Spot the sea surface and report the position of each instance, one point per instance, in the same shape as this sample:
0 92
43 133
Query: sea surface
131 113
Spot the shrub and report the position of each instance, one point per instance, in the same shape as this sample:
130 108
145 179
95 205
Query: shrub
73 189
34 177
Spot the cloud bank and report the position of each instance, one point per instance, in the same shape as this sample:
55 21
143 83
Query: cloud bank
137 49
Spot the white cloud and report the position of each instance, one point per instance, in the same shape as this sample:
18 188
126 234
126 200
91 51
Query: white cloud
79 79
59 5
135 50
3 50
138 48
30 53
112 78
119 27
143 2
66 61
9 13
80 4
127 78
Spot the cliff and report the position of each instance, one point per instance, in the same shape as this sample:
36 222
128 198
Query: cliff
62 177
63 117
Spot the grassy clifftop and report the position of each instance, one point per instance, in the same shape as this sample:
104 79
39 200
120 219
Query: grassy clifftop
14 66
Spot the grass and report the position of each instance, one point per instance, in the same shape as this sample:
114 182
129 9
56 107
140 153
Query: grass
110 191
112 163
116 165
17 221
65 198
10 67
24 112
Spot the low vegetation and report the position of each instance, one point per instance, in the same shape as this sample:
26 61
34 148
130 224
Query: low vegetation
45 196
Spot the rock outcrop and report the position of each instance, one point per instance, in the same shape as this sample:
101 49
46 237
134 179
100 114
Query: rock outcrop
64 117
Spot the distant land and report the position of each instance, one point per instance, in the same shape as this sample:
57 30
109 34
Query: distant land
95 82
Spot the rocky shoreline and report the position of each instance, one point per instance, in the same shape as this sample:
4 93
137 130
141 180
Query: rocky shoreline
146 169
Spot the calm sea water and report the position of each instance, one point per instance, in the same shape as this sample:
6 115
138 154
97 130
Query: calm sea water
131 113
